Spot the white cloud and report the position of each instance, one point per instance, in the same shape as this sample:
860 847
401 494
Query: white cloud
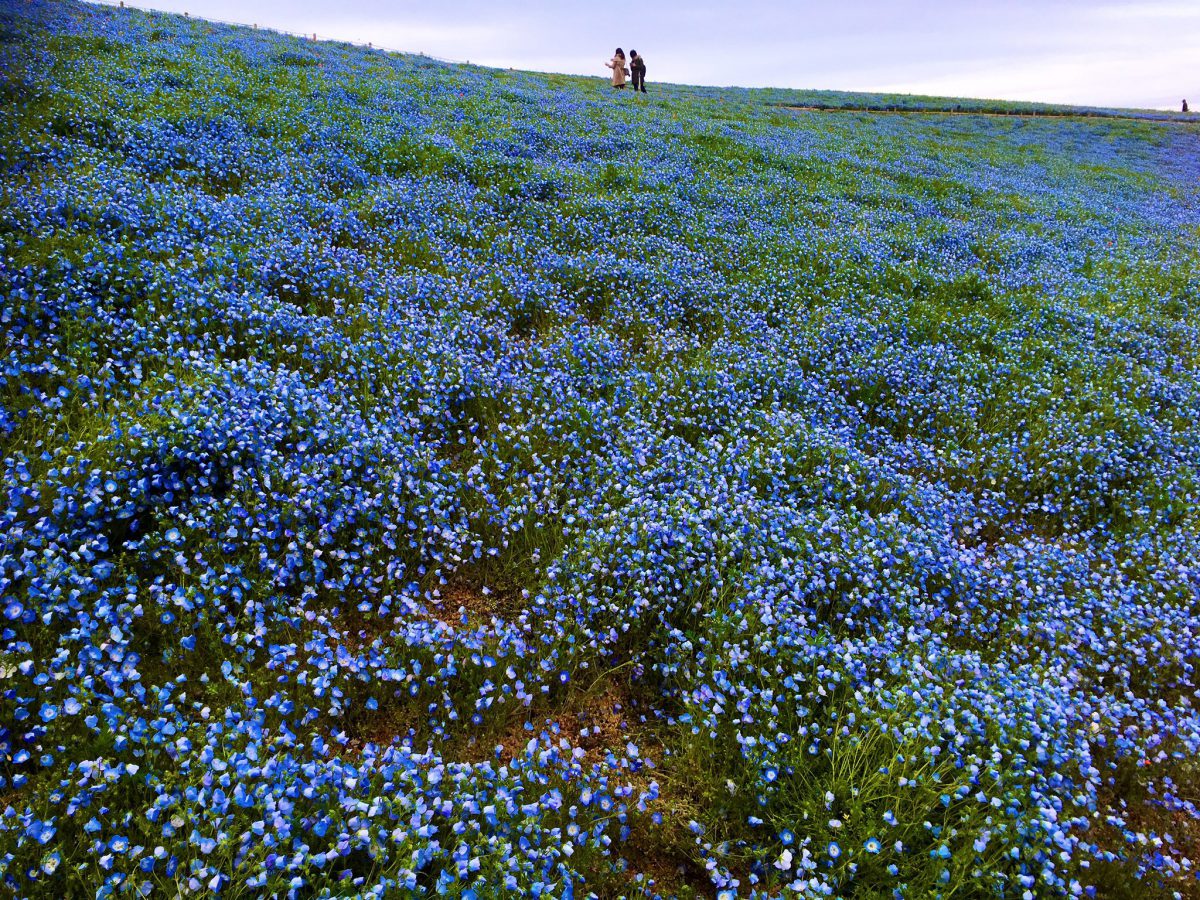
1118 80
460 41
1140 12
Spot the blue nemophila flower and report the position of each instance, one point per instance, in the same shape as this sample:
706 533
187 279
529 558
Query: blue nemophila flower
41 831
872 845
833 850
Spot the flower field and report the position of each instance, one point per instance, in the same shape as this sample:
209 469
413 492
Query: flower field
427 480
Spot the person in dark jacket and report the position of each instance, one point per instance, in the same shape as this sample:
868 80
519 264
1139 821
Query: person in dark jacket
1185 109
637 66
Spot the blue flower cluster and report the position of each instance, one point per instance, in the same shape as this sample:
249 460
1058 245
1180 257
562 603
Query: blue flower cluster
425 480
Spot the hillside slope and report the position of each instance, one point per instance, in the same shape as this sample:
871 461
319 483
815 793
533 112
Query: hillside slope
428 480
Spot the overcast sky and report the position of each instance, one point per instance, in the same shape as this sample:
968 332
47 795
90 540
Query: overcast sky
1141 54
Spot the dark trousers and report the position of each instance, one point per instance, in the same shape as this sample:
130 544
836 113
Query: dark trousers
639 80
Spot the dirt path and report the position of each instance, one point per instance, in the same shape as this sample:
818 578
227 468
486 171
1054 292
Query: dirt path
1160 120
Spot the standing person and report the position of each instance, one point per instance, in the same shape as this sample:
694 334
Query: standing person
637 66
1185 109
617 64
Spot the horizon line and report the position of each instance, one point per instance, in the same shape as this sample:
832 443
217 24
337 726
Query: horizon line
314 37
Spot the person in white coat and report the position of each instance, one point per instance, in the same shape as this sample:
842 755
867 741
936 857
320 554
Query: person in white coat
617 64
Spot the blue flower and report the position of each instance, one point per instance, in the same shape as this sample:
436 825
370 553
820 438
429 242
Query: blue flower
42 832
857 456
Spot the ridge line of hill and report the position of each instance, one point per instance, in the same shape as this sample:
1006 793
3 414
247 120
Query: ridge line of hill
870 101
999 114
